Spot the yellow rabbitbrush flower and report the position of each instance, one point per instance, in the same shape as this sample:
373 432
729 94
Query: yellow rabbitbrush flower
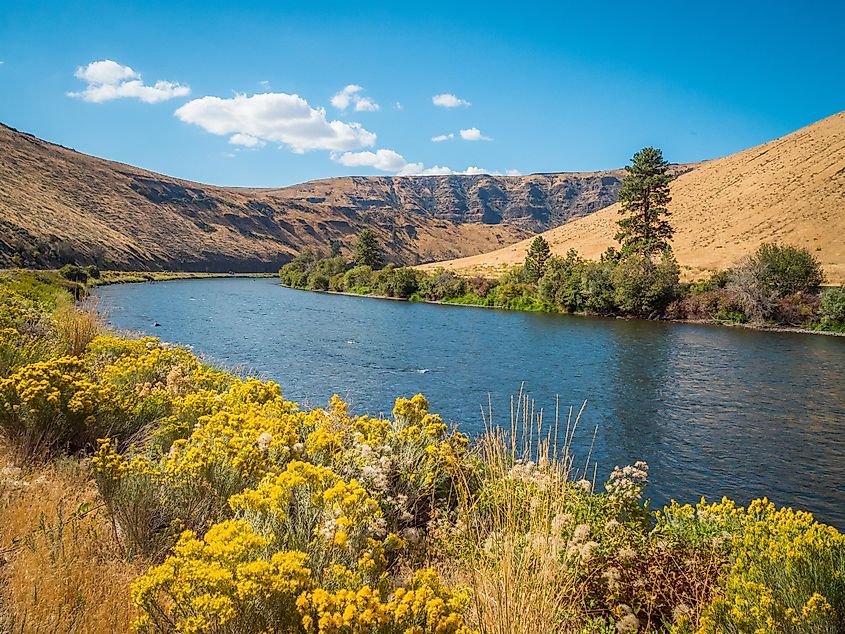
229 441
308 502
18 349
787 574
189 480
54 403
221 580
133 364
423 606
228 579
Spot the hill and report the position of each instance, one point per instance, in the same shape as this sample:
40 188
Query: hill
58 205
789 190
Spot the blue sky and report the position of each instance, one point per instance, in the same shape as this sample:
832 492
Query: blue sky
550 86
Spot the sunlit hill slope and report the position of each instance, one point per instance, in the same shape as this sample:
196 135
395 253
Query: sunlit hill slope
58 205
790 190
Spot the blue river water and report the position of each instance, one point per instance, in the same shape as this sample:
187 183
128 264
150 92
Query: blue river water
714 411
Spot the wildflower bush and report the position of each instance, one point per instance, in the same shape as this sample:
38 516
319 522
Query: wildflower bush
237 511
51 405
785 571
289 520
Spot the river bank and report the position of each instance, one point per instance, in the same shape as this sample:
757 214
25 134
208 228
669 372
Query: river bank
132 277
698 322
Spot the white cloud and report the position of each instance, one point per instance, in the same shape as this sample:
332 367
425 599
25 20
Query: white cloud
398 106
513 173
265 83
390 161
474 134
108 80
342 99
443 137
276 117
418 169
350 95
365 104
384 160
247 140
447 100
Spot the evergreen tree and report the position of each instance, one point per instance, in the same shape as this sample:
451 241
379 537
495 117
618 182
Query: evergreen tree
535 261
644 196
368 251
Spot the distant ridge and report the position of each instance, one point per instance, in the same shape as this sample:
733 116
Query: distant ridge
789 190
58 205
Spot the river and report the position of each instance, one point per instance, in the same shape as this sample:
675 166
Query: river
713 410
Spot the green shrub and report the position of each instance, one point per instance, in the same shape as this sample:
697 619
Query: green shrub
644 288
41 290
337 282
832 310
471 299
74 273
788 269
441 285
383 281
291 275
509 294
562 283
297 272
517 275
318 281
597 287
357 277
401 282
717 280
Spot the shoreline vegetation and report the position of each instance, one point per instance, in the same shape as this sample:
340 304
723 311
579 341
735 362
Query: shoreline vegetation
777 286
142 489
777 289
130 277
697 322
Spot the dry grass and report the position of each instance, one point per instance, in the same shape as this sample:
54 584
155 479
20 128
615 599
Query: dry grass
542 554
60 568
519 583
77 326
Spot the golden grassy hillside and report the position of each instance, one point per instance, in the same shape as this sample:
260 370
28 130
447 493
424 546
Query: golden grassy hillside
790 190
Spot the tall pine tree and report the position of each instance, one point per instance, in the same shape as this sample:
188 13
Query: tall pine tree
535 261
368 250
644 196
